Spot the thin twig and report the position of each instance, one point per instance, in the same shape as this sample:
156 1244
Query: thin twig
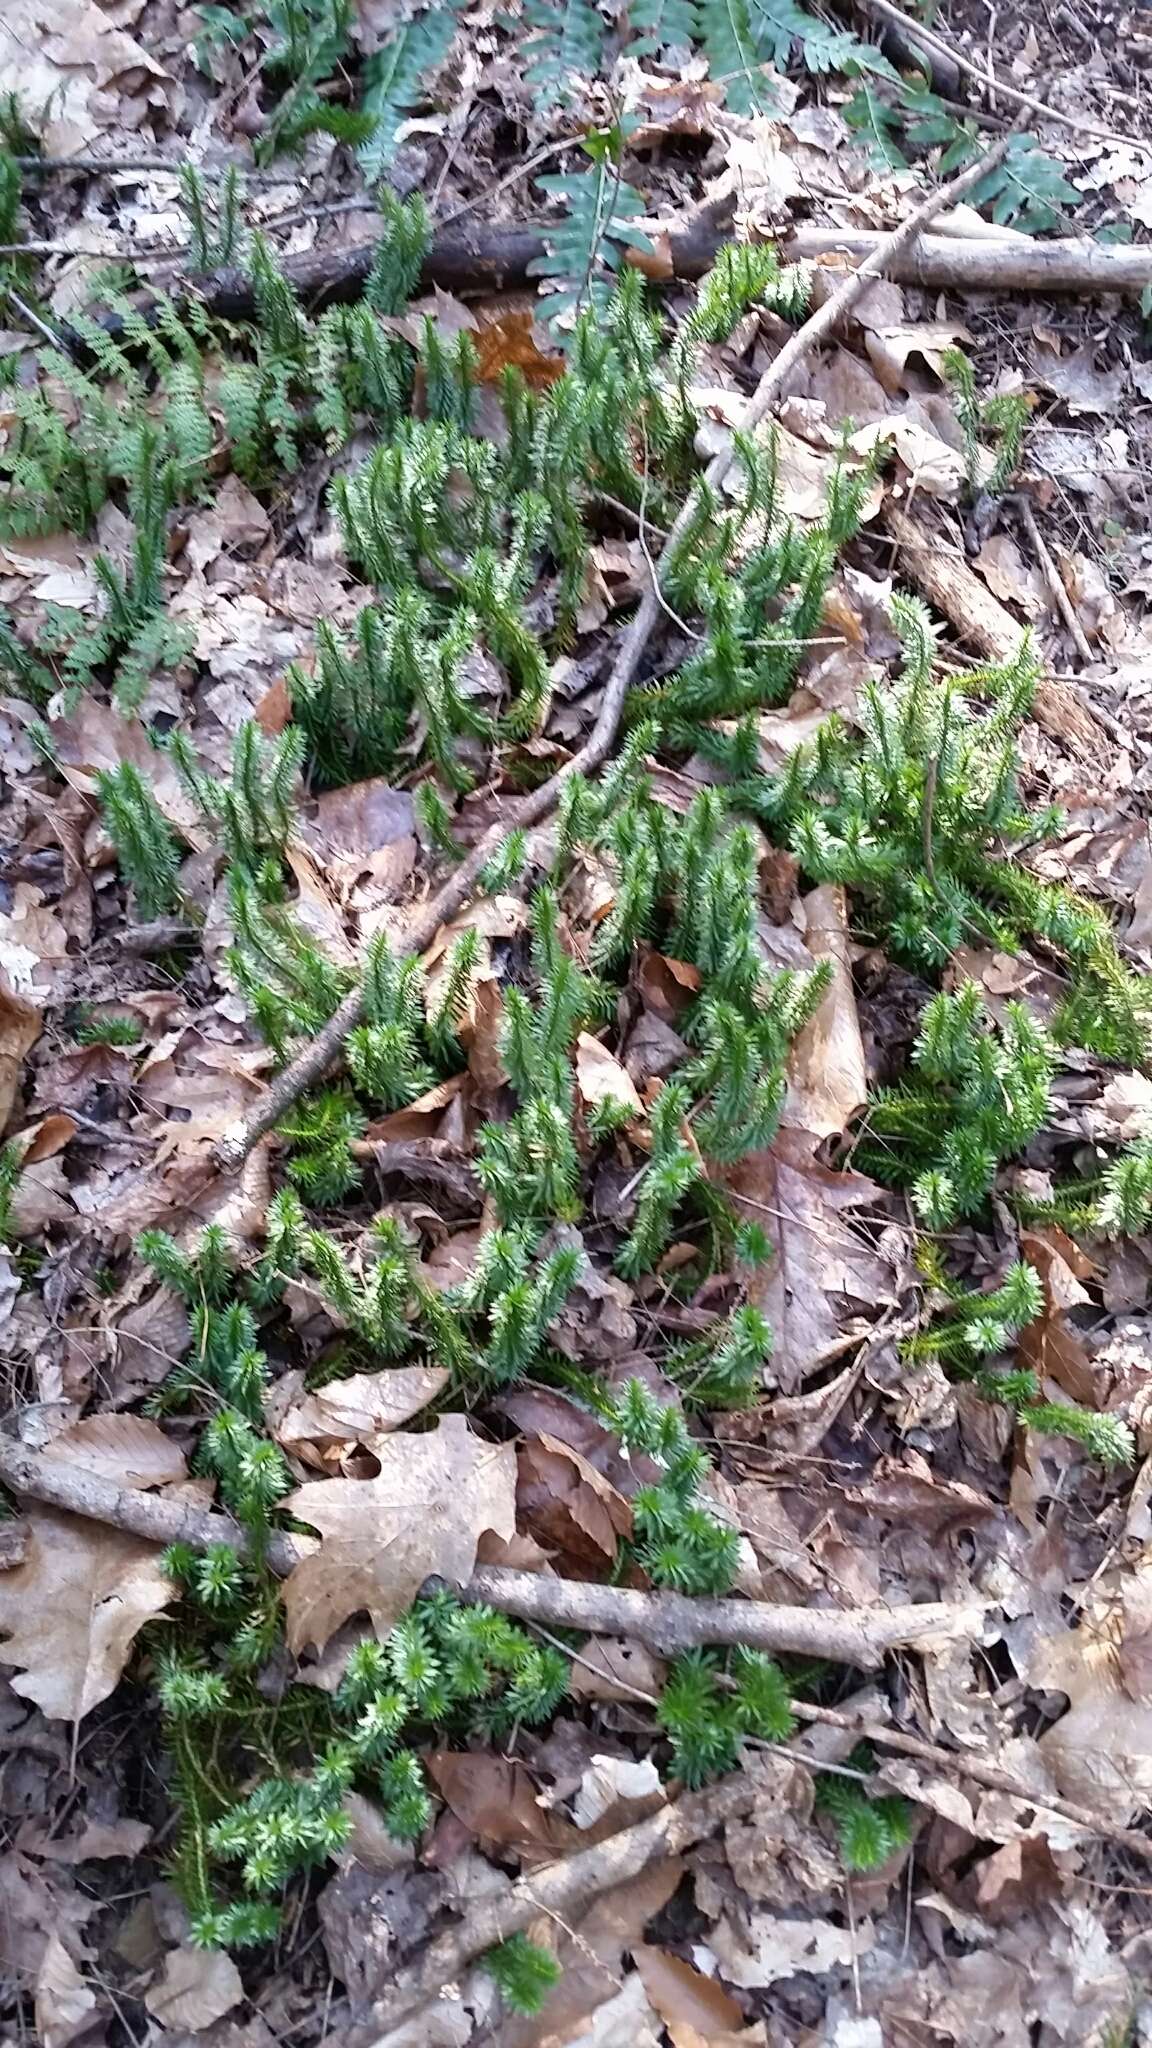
316 1058
987 78
1055 582
49 166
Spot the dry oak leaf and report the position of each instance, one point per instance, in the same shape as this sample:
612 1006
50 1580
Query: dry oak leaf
71 1613
697 2011
199 1986
424 1513
20 1027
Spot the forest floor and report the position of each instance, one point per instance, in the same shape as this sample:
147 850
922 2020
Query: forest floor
864 1472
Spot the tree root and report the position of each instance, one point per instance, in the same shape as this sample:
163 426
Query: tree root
314 1061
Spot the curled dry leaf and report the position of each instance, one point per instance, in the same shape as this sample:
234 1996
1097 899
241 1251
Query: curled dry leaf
64 2002
128 1449
568 1505
803 1207
383 1537
20 1027
73 1610
496 1800
601 1078
198 1987
352 1411
774 1947
827 1073
697 2011
1050 1347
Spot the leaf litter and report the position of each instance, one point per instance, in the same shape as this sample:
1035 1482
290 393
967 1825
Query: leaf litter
858 1476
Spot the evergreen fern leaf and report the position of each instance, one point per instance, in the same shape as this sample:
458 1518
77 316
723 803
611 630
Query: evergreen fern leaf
393 81
660 25
1026 189
598 224
566 47
876 122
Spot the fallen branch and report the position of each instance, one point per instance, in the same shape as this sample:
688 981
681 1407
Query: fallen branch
316 1058
670 1622
962 263
982 623
1055 582
557 1892
470 259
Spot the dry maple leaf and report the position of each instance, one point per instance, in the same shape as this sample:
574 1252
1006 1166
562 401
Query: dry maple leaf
424 1513
73 1610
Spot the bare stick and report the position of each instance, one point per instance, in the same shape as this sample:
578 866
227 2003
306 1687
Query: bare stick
671 1622
315 1060
559 1891
668 1621
959 263
917 33
1055 582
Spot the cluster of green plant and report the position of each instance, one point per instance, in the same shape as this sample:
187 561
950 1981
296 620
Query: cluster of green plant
870 1827
711 1703
147 849
974 1330
446 1671
11 1167
676 1539
981 1094
251 814
993 428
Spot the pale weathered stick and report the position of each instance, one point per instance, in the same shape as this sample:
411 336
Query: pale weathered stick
668 1621
316 1058
961 263
1055 582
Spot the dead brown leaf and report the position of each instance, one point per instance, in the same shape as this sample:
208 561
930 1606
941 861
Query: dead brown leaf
827 1072
613 1668
199 1986
383 1537
64 2002
1050 1347
128 1449
348 1412
803 1208
72 1612
601 1078
20 1027
568 1505
496 1800
694 2008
